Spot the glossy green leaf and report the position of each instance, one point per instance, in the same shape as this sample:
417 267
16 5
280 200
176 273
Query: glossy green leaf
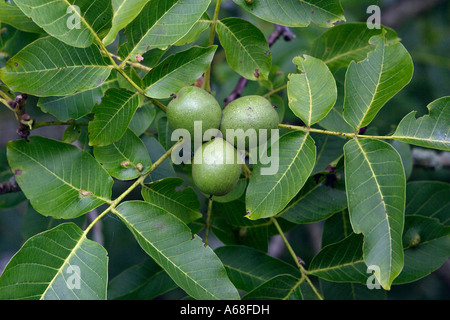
429 199
112 116
125 159
78 23
315 202
329 150
142 119
193 267
246 48
76 106
313 92
427 247
177 71
160 24
375 184
296 13
349 291
59 264
200 26
341 261
183 204
429 131
371 83
59 179
145 281
124 12
13 16
249 268
347 42
66 71
267 192
283 287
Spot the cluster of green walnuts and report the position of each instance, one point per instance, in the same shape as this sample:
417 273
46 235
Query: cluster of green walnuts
215 166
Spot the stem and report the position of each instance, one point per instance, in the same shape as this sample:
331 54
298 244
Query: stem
133 64
303 271
212 34
271 93
116 202
57 123
208 221
247 171
334 133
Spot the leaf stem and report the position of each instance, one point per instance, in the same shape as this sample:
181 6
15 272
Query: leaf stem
271 93
57 123
303 271
132 64
208 221
140 181
212 34
334 133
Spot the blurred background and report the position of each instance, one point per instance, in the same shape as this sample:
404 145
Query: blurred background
423 26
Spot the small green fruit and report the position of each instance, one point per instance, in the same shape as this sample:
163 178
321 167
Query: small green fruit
216 167
194 104
250 112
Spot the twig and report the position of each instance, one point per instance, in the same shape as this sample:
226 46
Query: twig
10 186
280 31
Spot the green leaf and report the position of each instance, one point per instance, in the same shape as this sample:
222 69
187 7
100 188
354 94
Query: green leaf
76 106
200 26
296 13
371 83
430 199
349 291
112 116
177 71
59 264
74 22
341 261
193 267
13 16
282 287
375 183
59 179
145 281
125 159
246 48
347 42
160 24
268 194
336 228
124 12
329 150
165 133
427 247
249 268
429 131
66 71
142 119
183 204
315 202
313 92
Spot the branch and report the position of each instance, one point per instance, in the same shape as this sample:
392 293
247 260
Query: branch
10 186
280 31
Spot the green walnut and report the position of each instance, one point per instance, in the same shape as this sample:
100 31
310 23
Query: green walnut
250 112
216 167
194 104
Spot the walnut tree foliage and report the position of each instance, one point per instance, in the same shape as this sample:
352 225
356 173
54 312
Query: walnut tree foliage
109 79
